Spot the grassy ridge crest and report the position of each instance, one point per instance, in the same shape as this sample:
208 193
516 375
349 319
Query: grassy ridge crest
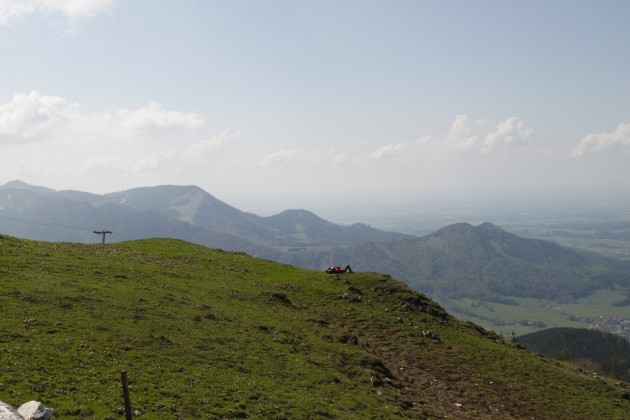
210 334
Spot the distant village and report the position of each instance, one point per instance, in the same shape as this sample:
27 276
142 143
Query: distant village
613 324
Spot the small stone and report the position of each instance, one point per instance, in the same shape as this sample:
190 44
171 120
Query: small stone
34 410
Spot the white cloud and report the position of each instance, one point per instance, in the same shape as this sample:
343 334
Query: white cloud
298 157
465 137
509 133
72 9
202 151
423 147
475 138
29 117
460 128
596 143
34 117
42 135
153 117
391 151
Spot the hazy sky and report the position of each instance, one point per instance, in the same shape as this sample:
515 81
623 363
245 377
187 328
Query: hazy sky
271 104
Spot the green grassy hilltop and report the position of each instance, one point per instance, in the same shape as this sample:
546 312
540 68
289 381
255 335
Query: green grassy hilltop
204 333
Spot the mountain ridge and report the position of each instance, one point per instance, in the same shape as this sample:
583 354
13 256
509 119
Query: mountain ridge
195 206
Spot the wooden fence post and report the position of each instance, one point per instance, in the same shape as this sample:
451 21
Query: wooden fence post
125 386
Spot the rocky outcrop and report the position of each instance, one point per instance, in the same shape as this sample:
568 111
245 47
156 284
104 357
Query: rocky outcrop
8 413
32 410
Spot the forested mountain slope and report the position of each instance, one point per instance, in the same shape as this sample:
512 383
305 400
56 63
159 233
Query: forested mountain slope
598 351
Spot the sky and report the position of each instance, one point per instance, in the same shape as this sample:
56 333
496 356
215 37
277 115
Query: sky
275 104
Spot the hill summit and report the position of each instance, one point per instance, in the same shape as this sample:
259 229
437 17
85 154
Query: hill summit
486 262
206 333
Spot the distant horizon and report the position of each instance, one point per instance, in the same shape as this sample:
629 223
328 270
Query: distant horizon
383 211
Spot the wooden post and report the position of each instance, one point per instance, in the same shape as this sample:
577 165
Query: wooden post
125 386
102 232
